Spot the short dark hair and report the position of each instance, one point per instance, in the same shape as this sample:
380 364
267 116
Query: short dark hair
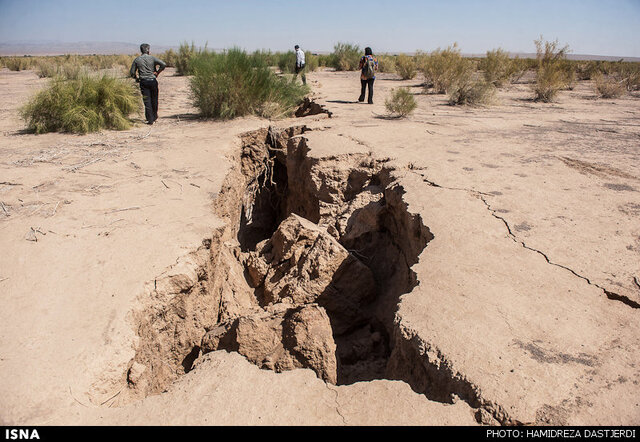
368 51
296 47
144 48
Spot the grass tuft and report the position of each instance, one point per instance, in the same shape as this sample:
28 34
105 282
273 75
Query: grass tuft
401 102
234 84
86 104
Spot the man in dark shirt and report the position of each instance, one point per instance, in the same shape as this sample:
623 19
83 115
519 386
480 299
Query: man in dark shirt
145 65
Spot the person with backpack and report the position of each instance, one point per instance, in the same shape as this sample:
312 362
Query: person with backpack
145 65
300 63
368 67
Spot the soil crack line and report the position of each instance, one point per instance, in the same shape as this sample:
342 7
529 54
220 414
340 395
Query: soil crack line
610 295
344 421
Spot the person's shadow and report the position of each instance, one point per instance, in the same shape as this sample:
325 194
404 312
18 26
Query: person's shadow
342 101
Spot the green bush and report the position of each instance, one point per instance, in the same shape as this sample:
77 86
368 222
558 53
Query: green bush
552 75
87 104
406 67
345 57
444 68
184 57
287 62
496 67
473 92
401 103
312 62
233 84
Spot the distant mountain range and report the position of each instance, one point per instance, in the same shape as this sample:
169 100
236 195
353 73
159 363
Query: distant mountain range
101 47
81 48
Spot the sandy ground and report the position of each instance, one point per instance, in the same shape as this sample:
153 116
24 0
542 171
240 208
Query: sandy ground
529 291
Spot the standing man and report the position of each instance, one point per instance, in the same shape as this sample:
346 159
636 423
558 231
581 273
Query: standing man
300 63
145 65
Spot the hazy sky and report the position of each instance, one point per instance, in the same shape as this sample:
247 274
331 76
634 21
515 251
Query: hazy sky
600 27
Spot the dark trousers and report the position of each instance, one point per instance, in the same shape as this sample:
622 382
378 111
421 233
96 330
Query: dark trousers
364 84
149 89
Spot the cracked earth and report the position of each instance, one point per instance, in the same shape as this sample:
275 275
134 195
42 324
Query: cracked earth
464 266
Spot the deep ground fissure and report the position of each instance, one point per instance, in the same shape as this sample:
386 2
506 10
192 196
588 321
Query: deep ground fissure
306 272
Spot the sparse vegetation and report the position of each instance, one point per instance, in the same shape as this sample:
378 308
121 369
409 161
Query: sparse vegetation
519 67
234 84
312 62
551 76
387 63
497 67
406 67
17 64
287 62
345 57
84 105
472 92
401 103
608 87
444 68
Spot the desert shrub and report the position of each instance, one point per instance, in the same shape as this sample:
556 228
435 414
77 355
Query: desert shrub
551 75
47 68
287 62
569 74
406 67
169 57
401 103
497 67
312 61
608 87
184 57
518 67
444 68
387 63
345 57
84 105
233 84
16 64
472 92
73 71
586 70
325 60
629 75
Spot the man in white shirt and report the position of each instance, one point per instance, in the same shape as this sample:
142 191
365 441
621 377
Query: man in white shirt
300 63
